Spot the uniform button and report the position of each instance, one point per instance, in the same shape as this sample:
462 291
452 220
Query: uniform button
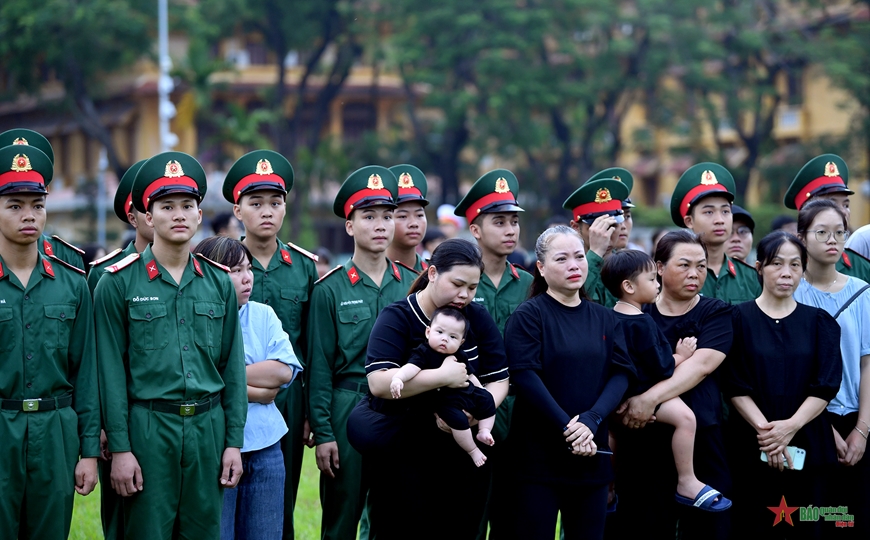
147 315
180 293
26 297
356 317
265 274
295 298
211 312
63 315
267 300
188 375
27 325
29 356
181 321
30 385
185 347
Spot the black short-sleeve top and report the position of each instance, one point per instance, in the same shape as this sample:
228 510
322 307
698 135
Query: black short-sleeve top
648 349
781 362
710 322
425 357
401 327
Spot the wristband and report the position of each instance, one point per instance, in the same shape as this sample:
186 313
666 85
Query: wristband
861 433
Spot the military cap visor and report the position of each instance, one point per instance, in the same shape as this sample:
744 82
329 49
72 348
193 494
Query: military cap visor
21 136
627 204
24 169
123 203
413 186
260 170
165 174
494 192
822 175
364 188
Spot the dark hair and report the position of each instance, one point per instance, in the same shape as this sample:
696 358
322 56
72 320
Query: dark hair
781 221
224 250
770 245
542 246
323 255
624 265
221 221
666 245
450 253
452 312
810 210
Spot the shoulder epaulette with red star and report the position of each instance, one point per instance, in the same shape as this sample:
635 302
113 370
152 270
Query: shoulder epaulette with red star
105 258
64 263
411 268
744 263
305 252
514 271
67 244
123 263
213 263
326 275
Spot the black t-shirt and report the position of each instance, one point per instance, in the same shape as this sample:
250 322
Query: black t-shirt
401 327
648 349
575 351
425 357
710 322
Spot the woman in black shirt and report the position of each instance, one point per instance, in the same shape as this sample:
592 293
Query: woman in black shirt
783 369
568 381
415 468
645 472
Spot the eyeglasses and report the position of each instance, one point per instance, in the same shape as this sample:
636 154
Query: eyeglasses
743 231
823 236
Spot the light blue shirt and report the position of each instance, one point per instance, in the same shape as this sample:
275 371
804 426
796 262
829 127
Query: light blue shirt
854 335
265 339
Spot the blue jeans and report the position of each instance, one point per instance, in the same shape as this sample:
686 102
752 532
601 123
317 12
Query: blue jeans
255 508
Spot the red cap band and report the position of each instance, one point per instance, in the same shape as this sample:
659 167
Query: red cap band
257 179
695 192
410 192
128 204
181 181
474 210
363 194
594 207
807 192
23 176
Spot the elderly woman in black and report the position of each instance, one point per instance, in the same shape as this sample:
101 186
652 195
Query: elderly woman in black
783 369
645 466
568 381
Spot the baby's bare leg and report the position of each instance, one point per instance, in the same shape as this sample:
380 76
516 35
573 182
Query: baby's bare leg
464 439
676 413
484 430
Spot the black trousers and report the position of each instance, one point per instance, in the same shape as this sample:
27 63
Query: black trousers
535 506
646 481
851 485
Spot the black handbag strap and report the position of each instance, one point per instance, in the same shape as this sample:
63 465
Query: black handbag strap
850 300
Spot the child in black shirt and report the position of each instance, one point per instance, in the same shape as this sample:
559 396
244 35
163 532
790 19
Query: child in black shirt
631 276
445 334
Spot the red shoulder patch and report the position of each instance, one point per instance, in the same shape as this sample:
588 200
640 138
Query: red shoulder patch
47 265
67 244
403 265
424 264
846 260
731 269
47 247
396 273
353 275
285 256
326 275
196 267
123 263
514 271
68 265
105 258
1 270
151 267
213 263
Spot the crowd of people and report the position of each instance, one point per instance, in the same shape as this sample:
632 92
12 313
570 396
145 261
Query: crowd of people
455 395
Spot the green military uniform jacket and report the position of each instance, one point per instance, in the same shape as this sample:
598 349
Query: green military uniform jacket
100 265
513 290
286 286
420 265
47 348
167 342
54 246
344 306
737 282
595 289
854 264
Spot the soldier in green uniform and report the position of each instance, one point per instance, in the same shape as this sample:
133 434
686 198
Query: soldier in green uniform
598 213
50 421
127 213
491 210
827 177
409 217
284 275
171 364
344 306
702 202
49 245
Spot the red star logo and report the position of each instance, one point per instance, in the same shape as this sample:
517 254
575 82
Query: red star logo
48 249
783 512
152 268
353 275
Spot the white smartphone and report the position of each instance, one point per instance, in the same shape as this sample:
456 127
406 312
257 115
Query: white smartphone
798 456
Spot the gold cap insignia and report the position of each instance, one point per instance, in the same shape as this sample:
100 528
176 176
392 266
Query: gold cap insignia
405 180
501 186
375 182
21 163
617 178
831 169
173 169
20 140
708 178
264 167
602 196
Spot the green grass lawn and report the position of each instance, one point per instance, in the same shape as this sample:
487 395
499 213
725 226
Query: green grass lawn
86 515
